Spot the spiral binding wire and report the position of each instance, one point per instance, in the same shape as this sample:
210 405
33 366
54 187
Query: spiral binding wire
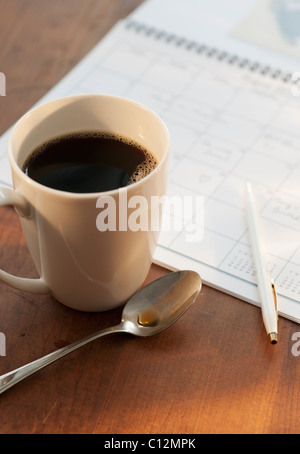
208 51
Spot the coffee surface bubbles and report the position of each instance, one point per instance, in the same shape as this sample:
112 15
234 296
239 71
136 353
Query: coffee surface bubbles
89 161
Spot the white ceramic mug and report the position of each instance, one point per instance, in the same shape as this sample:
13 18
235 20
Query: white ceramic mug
82 267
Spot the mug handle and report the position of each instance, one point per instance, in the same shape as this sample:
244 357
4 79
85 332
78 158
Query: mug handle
12 197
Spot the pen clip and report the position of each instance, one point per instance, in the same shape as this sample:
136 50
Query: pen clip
274 296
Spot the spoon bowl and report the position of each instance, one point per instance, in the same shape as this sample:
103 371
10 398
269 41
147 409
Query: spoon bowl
160 303
152 309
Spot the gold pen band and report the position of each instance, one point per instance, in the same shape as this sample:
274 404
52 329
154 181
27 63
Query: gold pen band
274 295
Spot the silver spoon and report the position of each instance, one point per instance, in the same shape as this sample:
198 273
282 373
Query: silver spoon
152 309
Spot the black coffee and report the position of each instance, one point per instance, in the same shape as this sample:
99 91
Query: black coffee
88 161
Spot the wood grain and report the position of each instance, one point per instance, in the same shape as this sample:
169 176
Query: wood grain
212 372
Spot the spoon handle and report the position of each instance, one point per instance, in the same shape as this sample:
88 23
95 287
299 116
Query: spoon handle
12 378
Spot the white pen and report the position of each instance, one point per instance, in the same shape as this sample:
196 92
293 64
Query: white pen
265 284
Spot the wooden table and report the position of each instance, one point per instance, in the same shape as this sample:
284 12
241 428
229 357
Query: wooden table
214 371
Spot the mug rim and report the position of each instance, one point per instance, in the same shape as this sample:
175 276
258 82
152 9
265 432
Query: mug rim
86 195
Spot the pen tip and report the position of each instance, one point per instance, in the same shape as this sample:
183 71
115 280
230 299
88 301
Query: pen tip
248 186
273 338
